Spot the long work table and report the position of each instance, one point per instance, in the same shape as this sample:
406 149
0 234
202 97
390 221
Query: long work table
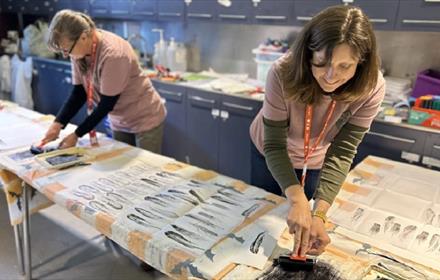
188 222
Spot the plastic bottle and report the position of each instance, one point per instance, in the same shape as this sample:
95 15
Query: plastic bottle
171 55
160 49
181 58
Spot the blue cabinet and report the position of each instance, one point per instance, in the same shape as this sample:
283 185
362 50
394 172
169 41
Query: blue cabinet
394 142
100 8
201 10
170 10
120 9
234 151
76 5
144 9
51 86
202 116
274 12
13 6
419 15
40 7
218 132
381 13
238 12
431 157
175 137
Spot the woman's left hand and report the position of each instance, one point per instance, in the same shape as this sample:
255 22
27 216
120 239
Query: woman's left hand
319 238
69 141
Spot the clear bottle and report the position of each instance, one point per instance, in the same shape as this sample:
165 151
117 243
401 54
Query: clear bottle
160 49
171 54
181 58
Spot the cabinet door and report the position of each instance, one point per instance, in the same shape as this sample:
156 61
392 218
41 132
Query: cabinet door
236 116
120 9
274 12
393 142
76 5
40 7
201 10
202 128
99 8
81 6
170 9
431 156
49 92
144 9
421 15
14 6
175 135
238 12
381 13
305 10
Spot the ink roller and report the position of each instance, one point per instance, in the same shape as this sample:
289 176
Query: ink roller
39 148
296 263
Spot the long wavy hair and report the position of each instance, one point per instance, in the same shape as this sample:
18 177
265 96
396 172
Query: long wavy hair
331 27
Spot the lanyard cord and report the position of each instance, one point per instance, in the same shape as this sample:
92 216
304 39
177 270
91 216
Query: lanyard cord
90 76
307 131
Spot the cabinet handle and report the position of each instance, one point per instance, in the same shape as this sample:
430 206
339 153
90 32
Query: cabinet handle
421 21
144 13
169 14
201 99
432 1
193 15
302 18
179 94
225 16
224 115
59 69
215 113
436 146
379 20
386 136
236 106
67 80
271 17
119 12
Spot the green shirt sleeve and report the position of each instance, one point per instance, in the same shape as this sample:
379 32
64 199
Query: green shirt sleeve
338 160
275 153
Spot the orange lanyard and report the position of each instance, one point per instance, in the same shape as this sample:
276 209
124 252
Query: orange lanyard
92 133
307 130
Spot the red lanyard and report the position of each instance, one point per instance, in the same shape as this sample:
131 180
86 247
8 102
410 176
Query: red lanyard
308 118
92 133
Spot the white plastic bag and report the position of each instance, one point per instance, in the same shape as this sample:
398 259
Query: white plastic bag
5 74
21 77
34 41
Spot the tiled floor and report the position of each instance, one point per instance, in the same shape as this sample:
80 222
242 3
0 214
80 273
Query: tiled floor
64 247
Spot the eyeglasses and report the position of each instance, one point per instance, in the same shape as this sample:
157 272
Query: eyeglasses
66 53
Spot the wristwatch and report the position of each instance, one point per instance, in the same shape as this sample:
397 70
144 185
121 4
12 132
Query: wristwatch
320 214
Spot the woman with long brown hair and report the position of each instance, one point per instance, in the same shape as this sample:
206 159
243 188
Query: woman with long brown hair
321 98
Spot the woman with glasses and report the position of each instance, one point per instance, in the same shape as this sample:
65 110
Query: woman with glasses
321 98
107 77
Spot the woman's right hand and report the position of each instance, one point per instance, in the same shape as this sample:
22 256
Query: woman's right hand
299 219
52 133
